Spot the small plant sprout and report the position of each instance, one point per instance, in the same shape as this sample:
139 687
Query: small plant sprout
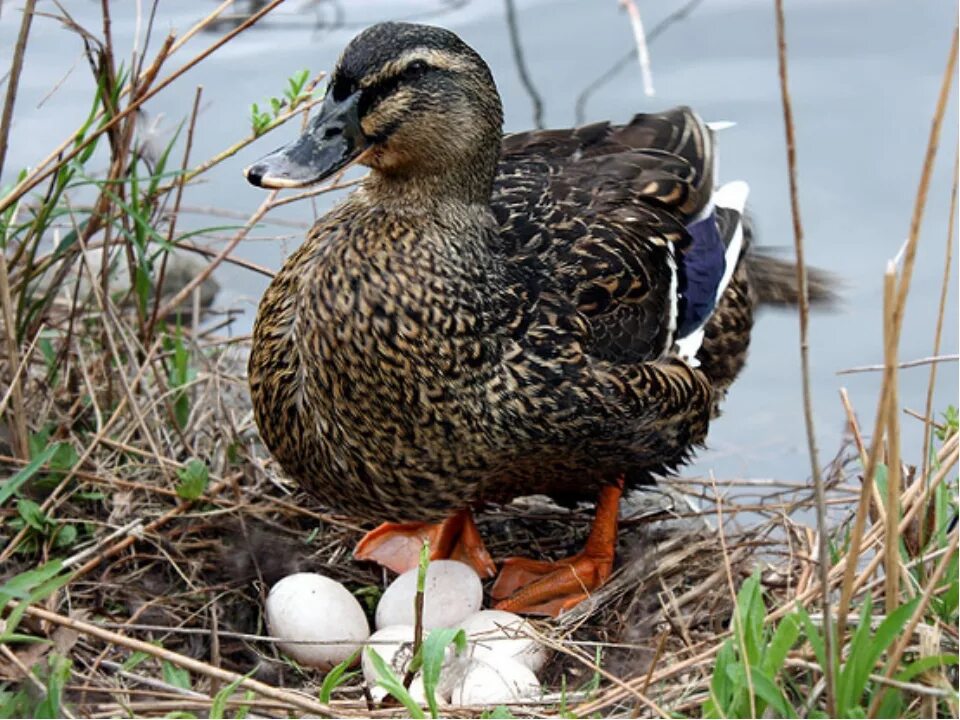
295 94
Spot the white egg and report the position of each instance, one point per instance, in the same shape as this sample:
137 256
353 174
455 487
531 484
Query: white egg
315 615
486 683
452 591
497 633
395 645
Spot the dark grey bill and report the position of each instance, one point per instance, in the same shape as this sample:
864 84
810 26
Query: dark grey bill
333 139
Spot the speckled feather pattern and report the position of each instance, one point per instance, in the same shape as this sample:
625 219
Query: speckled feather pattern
408 363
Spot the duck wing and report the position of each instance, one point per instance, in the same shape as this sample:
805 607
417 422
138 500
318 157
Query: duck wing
624 222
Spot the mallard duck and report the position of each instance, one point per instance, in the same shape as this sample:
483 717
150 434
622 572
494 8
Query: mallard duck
486 317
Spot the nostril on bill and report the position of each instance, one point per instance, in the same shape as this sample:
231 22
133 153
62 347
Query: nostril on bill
332 131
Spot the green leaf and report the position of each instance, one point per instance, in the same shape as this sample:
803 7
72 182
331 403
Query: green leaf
135 659
865 652
219 705
852 678
433 653
763 687
64 457
780 644
388 680
813 636
337 676
32 514
65 536
193 480
21 586
176 676
892 704
928 662
500 712
721 688
57 677
241 712
748 618
13 484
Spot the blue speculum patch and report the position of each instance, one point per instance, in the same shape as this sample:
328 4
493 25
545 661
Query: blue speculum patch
699 271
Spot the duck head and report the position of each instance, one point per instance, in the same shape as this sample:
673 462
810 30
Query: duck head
412 102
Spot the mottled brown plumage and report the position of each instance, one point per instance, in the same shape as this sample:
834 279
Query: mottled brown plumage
482 320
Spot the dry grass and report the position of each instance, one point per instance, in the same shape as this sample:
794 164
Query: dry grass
108 408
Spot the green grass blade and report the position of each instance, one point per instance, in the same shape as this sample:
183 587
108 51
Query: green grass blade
780 644
433 653
336 677
388 680
25 473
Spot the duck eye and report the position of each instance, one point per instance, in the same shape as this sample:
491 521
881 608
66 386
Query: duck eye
340 87
416 69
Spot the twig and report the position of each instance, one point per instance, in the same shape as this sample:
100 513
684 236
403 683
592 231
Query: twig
893 662
13 78
741 632
213 264
302 702
628 58
919 362
522 71
640 39
891 545
941 311
804 312
853 551
43 172
171 231
18 421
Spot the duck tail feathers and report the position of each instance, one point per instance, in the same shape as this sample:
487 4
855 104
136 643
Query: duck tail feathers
774 279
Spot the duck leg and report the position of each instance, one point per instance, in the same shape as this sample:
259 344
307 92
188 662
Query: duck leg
397 545
538 587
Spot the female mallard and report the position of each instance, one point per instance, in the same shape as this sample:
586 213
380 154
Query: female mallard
552 312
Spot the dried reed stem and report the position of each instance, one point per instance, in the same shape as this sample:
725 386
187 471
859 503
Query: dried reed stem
854 549
18 422
804 312
43 172
891 545
198 280
13 78
171 231
941 312
893 660
297 700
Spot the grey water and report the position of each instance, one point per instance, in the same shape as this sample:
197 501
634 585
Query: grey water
864 78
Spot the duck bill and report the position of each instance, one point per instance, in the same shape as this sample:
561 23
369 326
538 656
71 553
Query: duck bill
332 141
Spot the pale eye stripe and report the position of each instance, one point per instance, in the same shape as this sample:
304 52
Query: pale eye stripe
440 59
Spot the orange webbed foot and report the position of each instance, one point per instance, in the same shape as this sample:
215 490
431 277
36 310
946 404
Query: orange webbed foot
397 545
537 587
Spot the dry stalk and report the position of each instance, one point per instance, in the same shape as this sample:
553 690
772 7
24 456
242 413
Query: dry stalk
804 313
185 291
13 77
171 230
63 156
893 661
891 545
53 496
740 633
294 699
941 312
853 553
946 459
18 419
